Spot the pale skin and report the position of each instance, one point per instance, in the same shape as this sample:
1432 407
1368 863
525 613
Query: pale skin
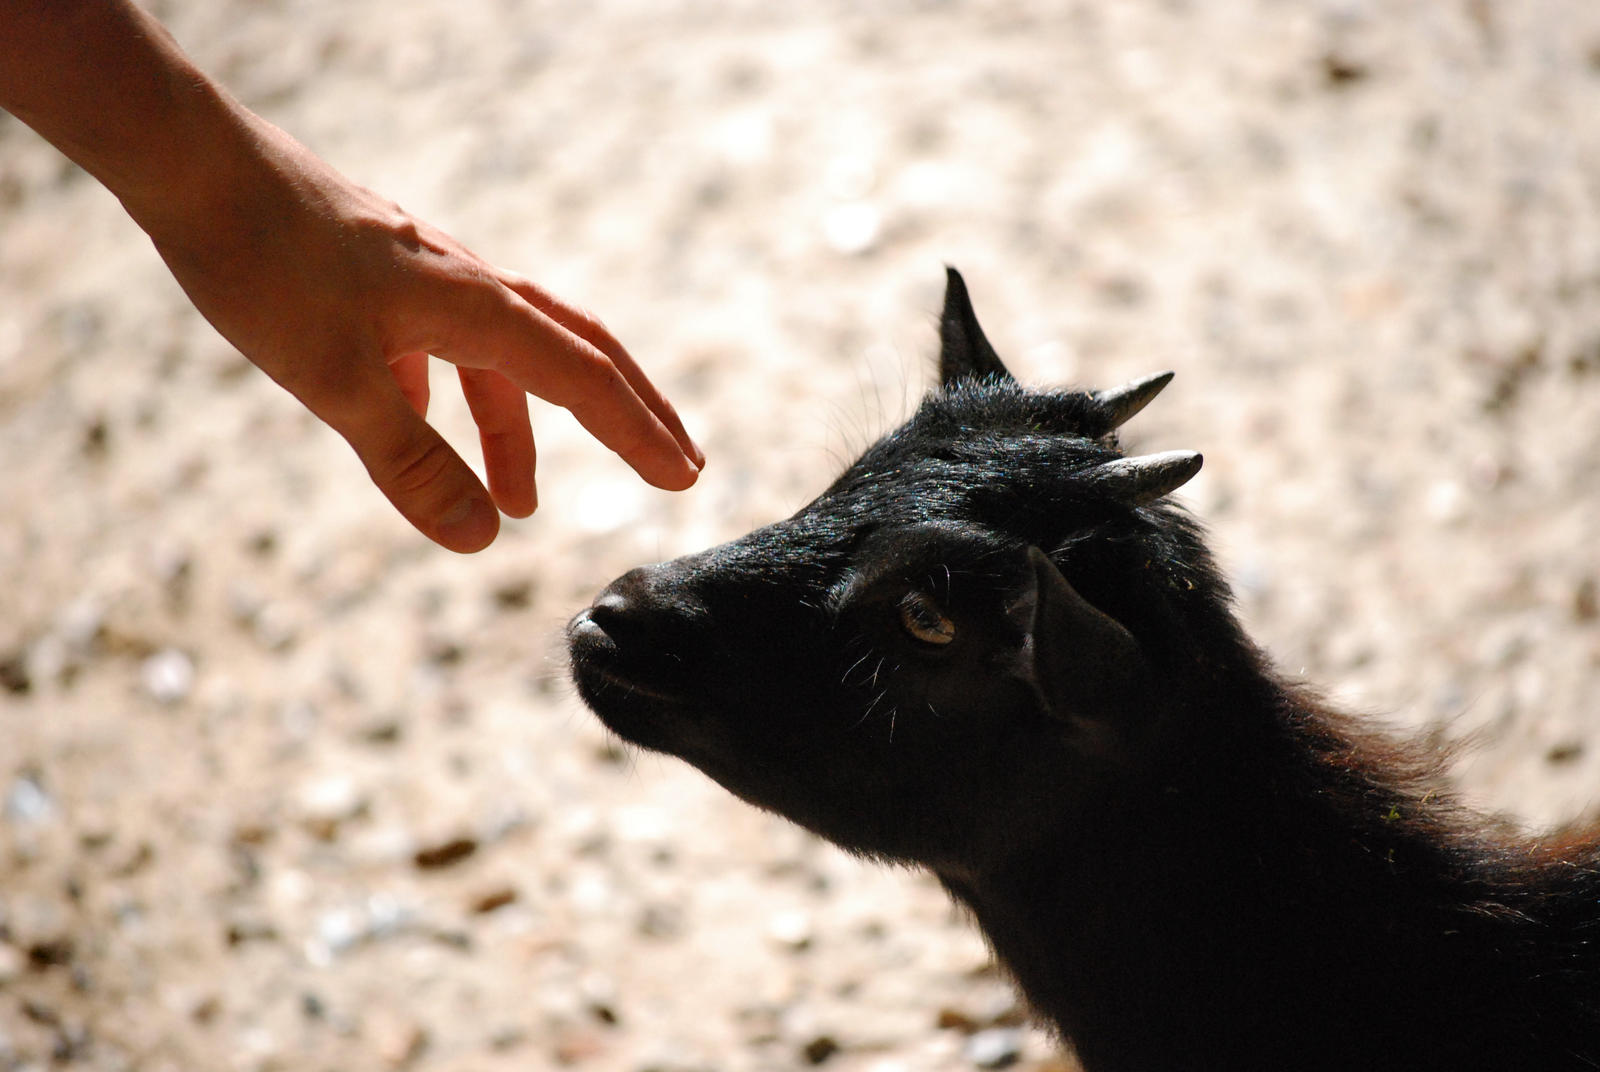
336 293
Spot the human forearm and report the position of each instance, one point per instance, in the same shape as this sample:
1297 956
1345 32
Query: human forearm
107 85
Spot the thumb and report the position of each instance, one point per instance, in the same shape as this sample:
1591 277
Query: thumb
412 464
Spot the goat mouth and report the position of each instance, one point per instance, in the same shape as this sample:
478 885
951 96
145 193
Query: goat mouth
602 671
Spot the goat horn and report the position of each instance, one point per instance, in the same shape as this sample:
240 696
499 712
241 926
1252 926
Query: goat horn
1117 404
1144 479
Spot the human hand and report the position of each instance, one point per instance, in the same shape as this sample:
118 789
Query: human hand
340 297
337 294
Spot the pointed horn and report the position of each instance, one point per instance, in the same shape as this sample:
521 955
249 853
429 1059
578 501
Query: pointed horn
1144 479
965 353
1117 404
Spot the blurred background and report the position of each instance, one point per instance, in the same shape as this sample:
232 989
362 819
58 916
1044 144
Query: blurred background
284 786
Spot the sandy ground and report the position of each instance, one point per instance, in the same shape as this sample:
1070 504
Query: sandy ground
283 786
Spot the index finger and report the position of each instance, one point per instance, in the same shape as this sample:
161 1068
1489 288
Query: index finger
591 330
538 354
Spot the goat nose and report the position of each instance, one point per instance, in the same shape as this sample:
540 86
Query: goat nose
632 591
609 602
639 597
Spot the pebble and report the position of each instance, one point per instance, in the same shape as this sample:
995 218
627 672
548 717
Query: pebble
173 567
513 595
792 929
326 803
340 930
15 674
853 228
397 1041
444 853
819 1049
996 1047
489 900
662 920
575 1045
982 1008
1446 502
1586 600
28 802
274 627
12 963
167 676
80 623
600 998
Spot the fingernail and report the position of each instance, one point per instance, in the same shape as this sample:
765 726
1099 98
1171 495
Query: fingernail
470 525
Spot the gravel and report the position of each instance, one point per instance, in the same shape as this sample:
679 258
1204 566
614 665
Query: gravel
284 786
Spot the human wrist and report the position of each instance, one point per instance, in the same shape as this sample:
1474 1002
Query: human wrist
205 161
106 84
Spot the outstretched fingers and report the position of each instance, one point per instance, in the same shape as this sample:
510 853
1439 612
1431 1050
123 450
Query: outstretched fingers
553 350
588 328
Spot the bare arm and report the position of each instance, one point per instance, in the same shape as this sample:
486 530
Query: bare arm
334 292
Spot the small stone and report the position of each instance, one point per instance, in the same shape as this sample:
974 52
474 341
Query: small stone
444 853
54 952
27 802
1446 502
132 860
600 998
819 1049
791 929
513 595
445 653
951 1019
263 543
577 1045
509 1037
398 1042
173 567
1565 752
242 931
492 899
382 731
12 963
96 437
81 623
661 920
340 930
1586 600
274 627
244 603
996 1047
205 1009
853 228
15 677
167 676
387 916
327 803
298 718
1341 70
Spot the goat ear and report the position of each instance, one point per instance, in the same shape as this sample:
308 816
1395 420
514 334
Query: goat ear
1088 669
964 352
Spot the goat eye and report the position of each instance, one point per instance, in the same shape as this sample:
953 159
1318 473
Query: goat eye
920 617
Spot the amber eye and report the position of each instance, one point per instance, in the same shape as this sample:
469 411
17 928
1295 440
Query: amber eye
921 617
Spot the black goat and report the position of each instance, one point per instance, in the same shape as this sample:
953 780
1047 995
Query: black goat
991 650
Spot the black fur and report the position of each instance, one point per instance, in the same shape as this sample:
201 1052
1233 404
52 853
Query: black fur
1186 862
